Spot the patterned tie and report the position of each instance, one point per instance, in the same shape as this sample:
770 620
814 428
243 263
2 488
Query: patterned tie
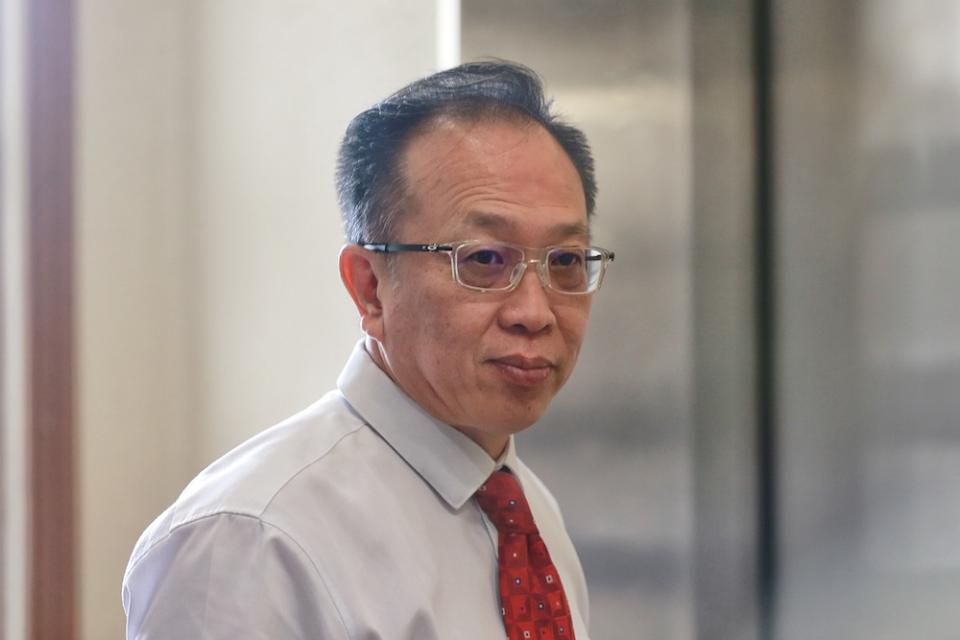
532 601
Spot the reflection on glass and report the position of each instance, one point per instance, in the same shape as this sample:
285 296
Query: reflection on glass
870 155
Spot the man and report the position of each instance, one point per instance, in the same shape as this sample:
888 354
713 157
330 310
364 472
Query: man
396 506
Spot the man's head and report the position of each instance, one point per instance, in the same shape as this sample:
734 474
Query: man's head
370 185
469 154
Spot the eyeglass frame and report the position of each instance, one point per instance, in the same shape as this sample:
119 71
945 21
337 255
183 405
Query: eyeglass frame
605 256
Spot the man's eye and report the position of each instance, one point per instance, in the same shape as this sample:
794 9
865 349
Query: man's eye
486 257
566 259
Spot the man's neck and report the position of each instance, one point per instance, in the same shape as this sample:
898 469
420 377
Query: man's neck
494 445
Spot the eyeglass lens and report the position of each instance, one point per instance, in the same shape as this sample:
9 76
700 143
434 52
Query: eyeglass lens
497 266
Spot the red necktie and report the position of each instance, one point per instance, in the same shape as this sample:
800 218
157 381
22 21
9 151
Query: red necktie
531 597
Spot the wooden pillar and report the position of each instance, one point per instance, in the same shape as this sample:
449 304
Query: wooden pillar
49 59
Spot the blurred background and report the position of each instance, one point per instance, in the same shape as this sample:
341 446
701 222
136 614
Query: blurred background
762 439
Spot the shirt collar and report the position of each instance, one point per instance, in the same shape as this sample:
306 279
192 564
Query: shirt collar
450 462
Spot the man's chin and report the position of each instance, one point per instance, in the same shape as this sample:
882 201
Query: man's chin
511 422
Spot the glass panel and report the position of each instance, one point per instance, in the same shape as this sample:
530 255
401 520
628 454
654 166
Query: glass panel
869 160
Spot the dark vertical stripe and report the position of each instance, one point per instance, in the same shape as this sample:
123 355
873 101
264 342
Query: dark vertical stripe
49 58
765 256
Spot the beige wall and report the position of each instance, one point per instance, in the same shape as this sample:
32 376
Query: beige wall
208 301
135 430
275 89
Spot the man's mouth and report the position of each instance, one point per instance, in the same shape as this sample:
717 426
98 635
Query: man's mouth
524 371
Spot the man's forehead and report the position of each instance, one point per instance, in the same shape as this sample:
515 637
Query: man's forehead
447 135
500 224
506 179
522 156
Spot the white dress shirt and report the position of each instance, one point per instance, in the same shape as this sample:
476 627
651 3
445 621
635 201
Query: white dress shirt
353 519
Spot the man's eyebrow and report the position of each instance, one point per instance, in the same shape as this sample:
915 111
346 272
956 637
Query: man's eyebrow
493 221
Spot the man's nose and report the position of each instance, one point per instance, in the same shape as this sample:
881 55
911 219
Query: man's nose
528 308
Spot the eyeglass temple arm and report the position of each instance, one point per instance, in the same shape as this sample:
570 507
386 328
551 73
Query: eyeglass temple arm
387 247
609 256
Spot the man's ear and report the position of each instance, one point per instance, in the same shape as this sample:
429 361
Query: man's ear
360 272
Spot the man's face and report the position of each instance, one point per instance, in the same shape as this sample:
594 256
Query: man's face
487 363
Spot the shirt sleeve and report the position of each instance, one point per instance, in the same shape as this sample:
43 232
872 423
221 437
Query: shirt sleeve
228 576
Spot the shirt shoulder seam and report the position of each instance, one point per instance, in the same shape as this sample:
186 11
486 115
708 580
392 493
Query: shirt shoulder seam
293 476
316 569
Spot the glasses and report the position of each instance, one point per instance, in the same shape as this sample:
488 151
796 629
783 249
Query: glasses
499 266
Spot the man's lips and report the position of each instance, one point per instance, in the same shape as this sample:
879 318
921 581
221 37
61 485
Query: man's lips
524 371
524 362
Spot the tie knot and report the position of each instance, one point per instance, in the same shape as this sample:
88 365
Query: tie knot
501 498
